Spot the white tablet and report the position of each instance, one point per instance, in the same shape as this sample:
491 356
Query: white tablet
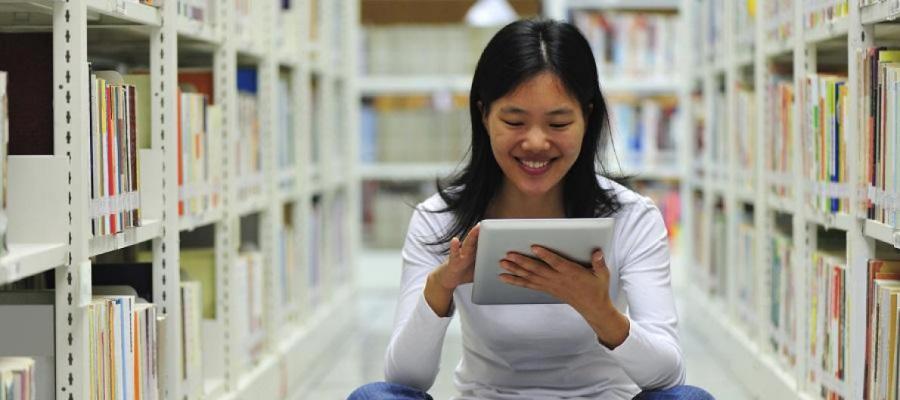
573 238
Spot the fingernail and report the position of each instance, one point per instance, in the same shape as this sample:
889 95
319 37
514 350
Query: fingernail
536 248
598 255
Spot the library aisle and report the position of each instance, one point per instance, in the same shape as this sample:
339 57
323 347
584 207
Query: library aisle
360 356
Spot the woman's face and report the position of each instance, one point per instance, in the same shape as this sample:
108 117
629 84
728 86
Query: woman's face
536 133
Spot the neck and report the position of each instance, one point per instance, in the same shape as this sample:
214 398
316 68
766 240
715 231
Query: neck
512 203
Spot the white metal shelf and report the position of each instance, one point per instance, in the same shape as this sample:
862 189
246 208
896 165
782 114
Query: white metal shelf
197 30
665 5
375 85
135 13
882 232
778 48
885 11
24 260
744 59
409 172
840 221
194 221
252 205
827 31
781 204
148 230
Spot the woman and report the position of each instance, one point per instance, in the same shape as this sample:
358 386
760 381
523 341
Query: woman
539 123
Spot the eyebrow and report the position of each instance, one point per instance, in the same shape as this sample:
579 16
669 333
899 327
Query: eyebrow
517 110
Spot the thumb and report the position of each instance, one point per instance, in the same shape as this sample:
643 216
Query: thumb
598 261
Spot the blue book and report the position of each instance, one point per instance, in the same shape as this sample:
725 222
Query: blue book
247 80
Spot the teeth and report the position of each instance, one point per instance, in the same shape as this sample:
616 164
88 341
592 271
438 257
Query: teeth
535 164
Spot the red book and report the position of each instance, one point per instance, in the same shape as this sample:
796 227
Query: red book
114 227
180 152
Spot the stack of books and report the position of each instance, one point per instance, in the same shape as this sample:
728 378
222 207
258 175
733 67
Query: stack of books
123 348
780 92
880 134
817 13
630 44
825 142
882 328
827 325
17 378
114 141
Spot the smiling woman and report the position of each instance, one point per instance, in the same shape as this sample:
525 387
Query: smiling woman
539 122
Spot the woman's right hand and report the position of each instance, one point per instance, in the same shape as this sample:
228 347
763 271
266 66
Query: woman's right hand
460 265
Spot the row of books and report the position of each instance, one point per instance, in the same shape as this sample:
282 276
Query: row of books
4 139
197 10
644 131
114 140
880 133
882 329
746 275
123 348
713 27
745 25
423 49
248 150
779 106
779 20
286 134
818 13
199 149
824 141
391 125
17 378
745 131
249 313
634 44
387 209
667 198
781 300
828 326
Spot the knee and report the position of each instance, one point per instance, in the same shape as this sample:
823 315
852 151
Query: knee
386 390
688 392
368 391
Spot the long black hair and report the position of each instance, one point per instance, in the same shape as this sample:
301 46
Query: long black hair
518 52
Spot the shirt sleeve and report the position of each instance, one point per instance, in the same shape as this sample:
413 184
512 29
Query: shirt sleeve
414 352
650 355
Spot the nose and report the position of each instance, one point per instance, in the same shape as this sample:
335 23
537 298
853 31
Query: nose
535 140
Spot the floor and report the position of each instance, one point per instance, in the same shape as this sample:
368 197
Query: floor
360 360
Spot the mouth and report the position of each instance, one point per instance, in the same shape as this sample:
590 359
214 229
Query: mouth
535 167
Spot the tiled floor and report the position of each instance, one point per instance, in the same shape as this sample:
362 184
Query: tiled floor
360 360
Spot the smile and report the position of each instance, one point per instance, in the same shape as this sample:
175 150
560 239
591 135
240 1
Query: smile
535 167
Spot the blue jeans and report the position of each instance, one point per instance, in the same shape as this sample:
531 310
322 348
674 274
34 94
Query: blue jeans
393 391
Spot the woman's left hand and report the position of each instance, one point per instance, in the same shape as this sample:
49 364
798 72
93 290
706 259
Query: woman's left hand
581 287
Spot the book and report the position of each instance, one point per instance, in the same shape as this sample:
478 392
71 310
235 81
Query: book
17 378
199 265
630 43
825 143
191 356
780 158
827 318
880 273
4 169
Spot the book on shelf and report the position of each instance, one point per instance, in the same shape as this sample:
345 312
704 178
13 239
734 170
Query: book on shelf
781 282
199 265
17 378
880 132
780 92
419 49
822 12
197 10
644 132
199 150
338 262
248 313
746 274
248 155
667 198
4 169
630 43
779 15
115 200
286 134
719 258
191 355
827 315
746 131
882 289
825 143
394 122
122 335
316 256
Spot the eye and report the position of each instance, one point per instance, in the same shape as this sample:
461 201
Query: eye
560 126
513 123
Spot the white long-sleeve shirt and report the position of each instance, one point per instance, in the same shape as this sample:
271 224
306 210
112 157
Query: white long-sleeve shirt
544 351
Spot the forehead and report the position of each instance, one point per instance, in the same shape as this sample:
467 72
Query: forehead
541 93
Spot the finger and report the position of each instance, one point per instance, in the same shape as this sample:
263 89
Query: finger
598 262
454 248
555 261
531 265
517 270
471 242
518 281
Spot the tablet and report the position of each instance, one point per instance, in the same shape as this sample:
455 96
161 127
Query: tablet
573 238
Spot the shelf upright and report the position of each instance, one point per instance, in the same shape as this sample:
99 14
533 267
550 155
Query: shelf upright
303 125
73 281
685 131
166 275
859 247
763 217
349 60
734 210
271 218
228 231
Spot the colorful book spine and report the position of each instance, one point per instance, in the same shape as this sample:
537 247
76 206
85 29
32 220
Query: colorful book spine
4 170
825 143
17 378
779 158
122 338
828 328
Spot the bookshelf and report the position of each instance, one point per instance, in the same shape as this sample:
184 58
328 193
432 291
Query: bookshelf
50 224
802 223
